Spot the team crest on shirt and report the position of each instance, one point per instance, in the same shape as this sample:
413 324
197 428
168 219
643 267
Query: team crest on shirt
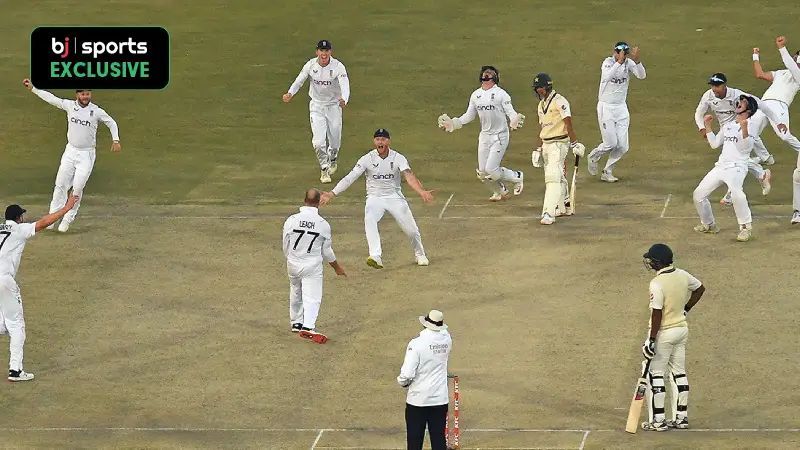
331 73
91 113
314 70
492 97
564 107
391 164
376 165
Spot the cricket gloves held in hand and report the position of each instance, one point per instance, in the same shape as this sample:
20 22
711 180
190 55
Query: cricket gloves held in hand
517 122
649 348
448 124
536 157
578 149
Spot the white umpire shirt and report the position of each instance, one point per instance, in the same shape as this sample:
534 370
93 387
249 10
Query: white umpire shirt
13 237
615 78
493 107
81 120
382 174
328 84
307 240
424 369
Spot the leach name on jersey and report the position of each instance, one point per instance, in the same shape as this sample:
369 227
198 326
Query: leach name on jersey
82 121
328 84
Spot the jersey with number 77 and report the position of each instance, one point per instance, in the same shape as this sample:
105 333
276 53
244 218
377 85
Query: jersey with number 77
307 239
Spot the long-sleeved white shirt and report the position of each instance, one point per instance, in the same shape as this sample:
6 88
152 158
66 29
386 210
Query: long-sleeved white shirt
383 174
13 237
615 78
424 368
493 107
785 83
735 148
725 108
307 239
328 84
81 120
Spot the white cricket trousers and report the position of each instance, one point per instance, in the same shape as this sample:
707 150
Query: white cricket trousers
556 189
326 131
670 359
12 321
491 149
614 121
733 177
782 111
73 172
374 210
305 294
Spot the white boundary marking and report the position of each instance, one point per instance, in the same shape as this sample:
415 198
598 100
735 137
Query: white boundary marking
319 436
446 204
368 430
666 204
583 441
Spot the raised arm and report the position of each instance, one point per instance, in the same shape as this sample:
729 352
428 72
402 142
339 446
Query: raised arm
52 218
637 69
790 63
714 140
757 70
609 69
60 103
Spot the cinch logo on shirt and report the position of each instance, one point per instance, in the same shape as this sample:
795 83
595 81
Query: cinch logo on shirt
618 80
485 108
85 123
322 82
731 139
382 176
100 57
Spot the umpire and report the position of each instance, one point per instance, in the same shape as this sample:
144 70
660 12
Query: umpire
424 373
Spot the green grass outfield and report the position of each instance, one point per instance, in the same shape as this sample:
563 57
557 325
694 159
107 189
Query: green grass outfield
160 319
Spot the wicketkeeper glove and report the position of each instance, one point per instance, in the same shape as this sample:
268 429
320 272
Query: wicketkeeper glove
649 348
578 149
517 122
448 124
536 157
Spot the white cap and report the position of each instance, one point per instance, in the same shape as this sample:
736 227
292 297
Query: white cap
433 321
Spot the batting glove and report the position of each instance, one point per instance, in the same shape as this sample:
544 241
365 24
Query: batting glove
649 348
536 157
578 149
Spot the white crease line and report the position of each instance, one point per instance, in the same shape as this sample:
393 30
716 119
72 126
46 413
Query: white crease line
583 441
319 436
666 204
446 204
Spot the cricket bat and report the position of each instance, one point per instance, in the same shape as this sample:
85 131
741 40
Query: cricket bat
638 400
572 188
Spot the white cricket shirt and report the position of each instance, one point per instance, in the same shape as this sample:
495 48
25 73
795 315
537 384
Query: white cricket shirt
615 78
493 107
13 237
81 120
425 367
383 174
735 148
307 239
783 88
328 84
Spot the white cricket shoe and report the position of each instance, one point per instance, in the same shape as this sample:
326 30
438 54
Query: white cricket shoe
726 199
591 166
332 168
375 262
63 227
654 426
325 176
795 218
608 177
680 424
499 196
296 327
52 226
19 375
745 233
765 185
422 261
710 228
547 219
518 185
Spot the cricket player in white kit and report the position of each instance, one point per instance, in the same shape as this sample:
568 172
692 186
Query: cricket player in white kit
79 155
382 167
721 100
329 90
612 111
492 105
14 234
673 293
736 140
781 94
307 242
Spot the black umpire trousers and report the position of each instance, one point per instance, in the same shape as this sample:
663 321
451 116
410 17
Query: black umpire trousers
418 417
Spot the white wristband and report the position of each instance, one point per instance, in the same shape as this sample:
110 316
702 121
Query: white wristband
755 56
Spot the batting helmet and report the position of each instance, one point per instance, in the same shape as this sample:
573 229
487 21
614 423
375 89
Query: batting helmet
542 80
495 77
658 256
752 104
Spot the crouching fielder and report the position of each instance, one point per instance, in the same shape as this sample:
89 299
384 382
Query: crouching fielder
382 167
306 244
555 140
736 139
493 107
673 292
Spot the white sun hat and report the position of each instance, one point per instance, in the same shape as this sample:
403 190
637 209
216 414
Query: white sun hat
433 321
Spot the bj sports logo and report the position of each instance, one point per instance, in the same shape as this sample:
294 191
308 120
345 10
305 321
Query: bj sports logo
100 57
